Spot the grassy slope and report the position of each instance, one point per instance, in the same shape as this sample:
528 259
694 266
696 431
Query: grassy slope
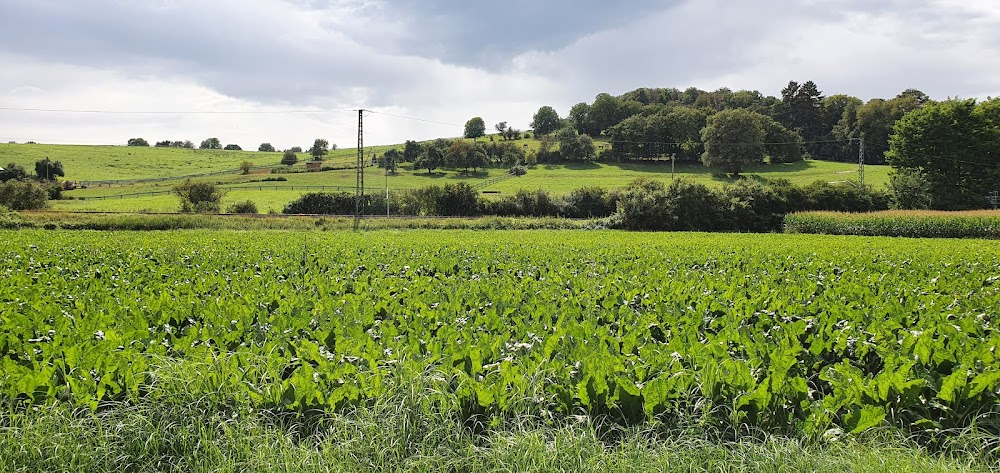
122 163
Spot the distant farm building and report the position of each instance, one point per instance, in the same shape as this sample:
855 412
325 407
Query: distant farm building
314 165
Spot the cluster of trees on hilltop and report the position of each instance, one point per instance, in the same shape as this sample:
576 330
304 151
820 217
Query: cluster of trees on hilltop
653 122
319 149
946 154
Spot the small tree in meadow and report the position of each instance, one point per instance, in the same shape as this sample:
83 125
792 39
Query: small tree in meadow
201 197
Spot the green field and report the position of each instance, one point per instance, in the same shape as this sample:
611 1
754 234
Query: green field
437 341
103 163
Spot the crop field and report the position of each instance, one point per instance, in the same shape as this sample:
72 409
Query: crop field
799 333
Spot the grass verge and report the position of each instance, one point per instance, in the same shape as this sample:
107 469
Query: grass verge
145 222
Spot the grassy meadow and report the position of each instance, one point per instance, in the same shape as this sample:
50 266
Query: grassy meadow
170 165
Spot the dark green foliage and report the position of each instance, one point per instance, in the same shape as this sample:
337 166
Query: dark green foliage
672 131
210 143
451 200
411 151
432 155
245 207
909 190
319 149
341 203
801 110
137 142
289 158
475 127
545 121
649 205
589 202
22 195
200 197
955 147
47 169
525 203
232 147
574 147
504 154
13 171
266 147
507 132
734 139
782 145
843 197
296 149
464 155
390 160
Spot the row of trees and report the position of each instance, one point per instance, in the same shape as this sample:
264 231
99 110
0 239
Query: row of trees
318 151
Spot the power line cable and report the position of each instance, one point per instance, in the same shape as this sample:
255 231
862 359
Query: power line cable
177 112
414 118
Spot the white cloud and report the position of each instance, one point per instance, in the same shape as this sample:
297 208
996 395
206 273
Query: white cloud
268 55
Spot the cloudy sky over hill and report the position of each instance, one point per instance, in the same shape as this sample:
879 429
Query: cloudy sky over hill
447 61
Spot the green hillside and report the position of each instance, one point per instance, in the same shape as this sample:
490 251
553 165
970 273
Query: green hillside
159 169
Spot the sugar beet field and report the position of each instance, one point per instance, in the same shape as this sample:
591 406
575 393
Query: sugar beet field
804 336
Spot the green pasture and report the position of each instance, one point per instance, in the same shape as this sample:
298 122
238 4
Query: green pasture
121 163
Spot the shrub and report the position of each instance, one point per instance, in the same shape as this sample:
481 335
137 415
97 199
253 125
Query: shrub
245 207
822 195
909 189
340 203
589 202
13 172
19 195
246 167
47 169
201 197
525 204
649 205
517 170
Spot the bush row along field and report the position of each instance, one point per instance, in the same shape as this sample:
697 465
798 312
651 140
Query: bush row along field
806 334
917 224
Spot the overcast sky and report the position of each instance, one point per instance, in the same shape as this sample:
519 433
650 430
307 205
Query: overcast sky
448 61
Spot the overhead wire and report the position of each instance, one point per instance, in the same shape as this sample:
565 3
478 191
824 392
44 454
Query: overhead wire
177 112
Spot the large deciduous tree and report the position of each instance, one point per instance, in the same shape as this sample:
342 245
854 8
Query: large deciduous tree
574 146
137 142
954 146
545 120
734 139
475 127
465 155
319 149
266 148
411 151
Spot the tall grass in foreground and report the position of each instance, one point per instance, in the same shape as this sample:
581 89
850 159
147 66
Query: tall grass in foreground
185 425
899 223
394 436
